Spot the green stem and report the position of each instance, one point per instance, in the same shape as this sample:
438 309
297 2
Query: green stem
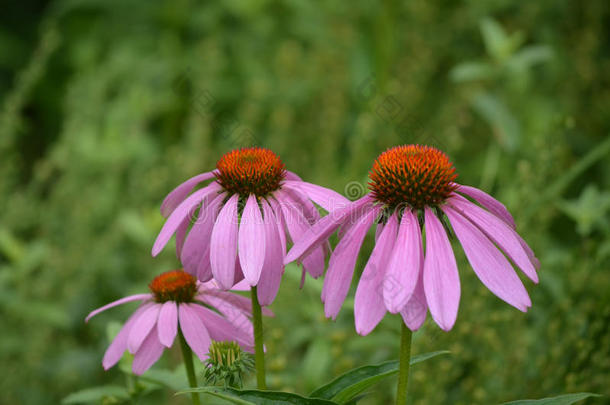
405 359
259 353
190 369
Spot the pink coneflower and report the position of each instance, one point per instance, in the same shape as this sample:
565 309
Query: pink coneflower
243 214
178 303
412 187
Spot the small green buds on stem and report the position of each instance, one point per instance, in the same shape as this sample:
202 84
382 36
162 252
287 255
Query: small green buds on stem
226 365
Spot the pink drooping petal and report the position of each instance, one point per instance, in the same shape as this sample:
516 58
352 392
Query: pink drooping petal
194 331
414 313
204 270
142 327
292 215
220 329
378 230
488 202
314 263
342 262
344 229
498 231
405 264
529 252
183 211
322 229
137 297
223 244
241 286
197 245
167 324
251 241
269 282
441 279
300 199
280 224
181 234
292 176
490 265
239 318
368 304
119 343
147 354
328 199
298 225
177 195
239 274
229 301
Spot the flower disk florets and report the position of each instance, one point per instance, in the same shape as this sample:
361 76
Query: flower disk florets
175 285
412 175
247 171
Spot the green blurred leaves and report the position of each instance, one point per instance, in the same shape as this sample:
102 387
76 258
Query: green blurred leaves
347 386
498 43
248 397
94 134
507 62
499 117
566 399
589 210
107 394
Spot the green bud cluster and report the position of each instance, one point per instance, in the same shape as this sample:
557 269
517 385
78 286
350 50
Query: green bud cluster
226 364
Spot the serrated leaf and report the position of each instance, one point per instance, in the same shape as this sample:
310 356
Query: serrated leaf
566 399
348 385
96 394
249 397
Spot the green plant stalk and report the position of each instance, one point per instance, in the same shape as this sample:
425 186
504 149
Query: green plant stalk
405 359
187 354
259 353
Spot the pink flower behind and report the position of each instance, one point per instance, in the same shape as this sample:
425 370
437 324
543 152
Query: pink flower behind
412 187
179 303
246 215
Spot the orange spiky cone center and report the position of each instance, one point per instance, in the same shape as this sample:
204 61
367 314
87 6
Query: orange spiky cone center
248 171
174 285
414 176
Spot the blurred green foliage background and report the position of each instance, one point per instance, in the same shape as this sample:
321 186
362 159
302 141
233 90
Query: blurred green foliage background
107 105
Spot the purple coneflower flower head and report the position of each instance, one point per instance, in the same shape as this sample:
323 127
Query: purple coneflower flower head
412 192
201 311
246 215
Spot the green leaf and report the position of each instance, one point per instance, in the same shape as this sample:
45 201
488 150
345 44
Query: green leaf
352 383
469 71
166 378
529 56
495 38
566 399
589 211
96 394
499 117
498 43
316 362
249 397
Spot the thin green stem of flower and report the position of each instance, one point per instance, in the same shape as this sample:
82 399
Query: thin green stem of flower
405 359
259 353
187 354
